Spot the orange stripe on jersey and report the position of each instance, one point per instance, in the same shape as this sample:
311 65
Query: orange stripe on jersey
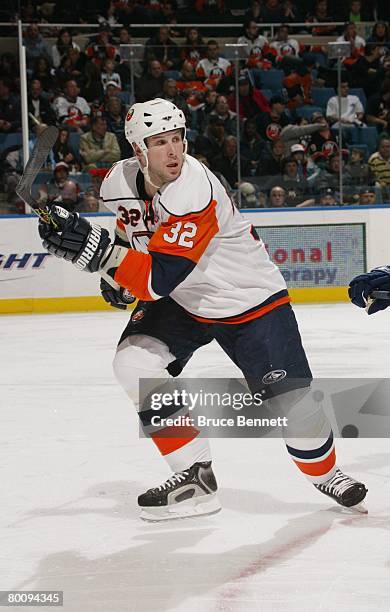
187 236
200 72
165 441
121 225
318 468
183 85
134 273
255 314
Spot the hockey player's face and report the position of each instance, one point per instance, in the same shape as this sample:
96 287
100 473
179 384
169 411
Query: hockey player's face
165 155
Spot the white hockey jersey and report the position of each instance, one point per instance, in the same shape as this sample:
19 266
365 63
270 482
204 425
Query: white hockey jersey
190 242
213 69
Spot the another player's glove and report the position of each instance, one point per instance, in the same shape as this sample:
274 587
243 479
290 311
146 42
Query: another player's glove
118 298
361 287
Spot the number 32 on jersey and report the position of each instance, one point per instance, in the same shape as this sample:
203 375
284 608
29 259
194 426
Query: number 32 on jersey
181 233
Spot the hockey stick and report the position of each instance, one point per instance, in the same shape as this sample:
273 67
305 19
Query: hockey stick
38 157
380 295
376 295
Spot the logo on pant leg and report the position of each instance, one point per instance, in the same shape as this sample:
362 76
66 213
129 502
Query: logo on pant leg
137 315
272 377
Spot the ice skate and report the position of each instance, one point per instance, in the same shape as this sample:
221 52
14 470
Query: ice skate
344 490
191 492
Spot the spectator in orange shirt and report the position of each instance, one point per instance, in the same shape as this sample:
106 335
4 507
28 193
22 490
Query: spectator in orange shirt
298 85
191 88
101 48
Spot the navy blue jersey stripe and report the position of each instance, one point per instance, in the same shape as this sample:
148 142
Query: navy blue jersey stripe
120 199
168 271
314 453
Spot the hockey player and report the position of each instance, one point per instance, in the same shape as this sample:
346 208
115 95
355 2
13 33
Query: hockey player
200 273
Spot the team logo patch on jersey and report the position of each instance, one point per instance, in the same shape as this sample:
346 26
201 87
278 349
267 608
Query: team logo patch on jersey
272 131
127 296
272 377
287 49
216 72
329 147
138 315
130 114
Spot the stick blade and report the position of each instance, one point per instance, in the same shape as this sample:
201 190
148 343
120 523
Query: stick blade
43 146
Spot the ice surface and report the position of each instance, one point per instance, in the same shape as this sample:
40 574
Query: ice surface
72 465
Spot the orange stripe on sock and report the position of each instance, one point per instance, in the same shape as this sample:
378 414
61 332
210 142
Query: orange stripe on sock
166 442
318 468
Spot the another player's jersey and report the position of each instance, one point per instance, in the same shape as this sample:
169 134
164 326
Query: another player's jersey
190 242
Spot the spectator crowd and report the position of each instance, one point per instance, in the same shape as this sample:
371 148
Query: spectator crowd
288 113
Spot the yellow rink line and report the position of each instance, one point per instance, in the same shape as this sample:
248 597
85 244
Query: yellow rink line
80 304
319 295
65 304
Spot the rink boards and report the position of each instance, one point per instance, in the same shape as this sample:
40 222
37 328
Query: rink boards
317 250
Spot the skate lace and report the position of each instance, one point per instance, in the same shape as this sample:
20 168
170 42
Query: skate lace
173 480
338 483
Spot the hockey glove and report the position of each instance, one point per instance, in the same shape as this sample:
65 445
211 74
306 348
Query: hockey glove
78 241
362 286
118 298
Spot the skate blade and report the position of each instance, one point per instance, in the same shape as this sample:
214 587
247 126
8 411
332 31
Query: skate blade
182 510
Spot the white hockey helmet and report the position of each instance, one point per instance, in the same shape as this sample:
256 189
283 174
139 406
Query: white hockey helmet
153 117
150 118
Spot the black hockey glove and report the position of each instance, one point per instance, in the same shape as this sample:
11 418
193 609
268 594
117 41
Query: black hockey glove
78 241
361 287
118 298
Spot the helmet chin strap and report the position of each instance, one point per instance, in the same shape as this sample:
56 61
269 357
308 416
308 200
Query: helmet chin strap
145 171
